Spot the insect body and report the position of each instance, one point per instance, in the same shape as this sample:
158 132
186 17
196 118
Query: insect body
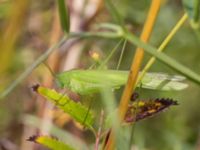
90 81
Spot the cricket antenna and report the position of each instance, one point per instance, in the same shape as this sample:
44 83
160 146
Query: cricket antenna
50 70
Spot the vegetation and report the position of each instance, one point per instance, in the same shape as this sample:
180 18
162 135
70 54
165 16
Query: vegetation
90 59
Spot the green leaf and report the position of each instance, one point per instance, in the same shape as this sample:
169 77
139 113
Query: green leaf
75 109
50 142
64 16
90 81
62 134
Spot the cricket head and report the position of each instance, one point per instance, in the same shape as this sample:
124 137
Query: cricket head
59 82
63 79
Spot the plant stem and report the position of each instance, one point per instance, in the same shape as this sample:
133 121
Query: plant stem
172 63
163 45
196 11
136 63
99 130
137 60
32 67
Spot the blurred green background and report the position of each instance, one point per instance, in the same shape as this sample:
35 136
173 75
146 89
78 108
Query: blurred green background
176 129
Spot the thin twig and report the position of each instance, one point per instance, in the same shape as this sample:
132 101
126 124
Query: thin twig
32 67
99 131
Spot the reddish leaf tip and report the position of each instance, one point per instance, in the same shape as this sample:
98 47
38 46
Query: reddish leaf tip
35 87
32 138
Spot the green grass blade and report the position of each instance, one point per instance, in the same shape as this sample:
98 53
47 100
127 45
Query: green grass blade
196 11
192 8
164 58
64 16
114 13
160 56
50 142
75 109
28 71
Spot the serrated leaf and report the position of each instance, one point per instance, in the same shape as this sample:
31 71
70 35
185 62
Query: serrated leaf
90 81
50 142
63 135
142 109
75 109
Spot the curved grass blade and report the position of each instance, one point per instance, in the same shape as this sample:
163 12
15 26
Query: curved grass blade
164 58
50 142
114 13
64 16
75 109
91 81
172 63
28 71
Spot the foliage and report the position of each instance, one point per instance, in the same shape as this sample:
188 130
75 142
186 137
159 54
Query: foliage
64 16
75 109
50 142
100 32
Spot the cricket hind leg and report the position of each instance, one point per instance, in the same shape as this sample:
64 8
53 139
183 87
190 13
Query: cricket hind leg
88 110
